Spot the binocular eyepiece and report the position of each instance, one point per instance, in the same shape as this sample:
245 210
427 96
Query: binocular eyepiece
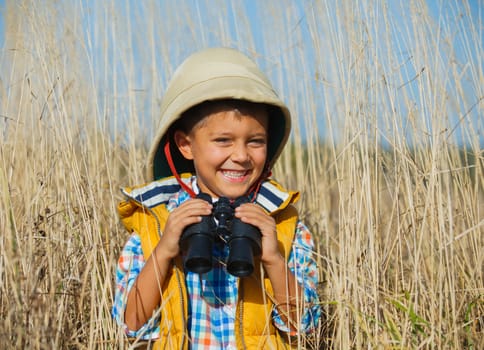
243 240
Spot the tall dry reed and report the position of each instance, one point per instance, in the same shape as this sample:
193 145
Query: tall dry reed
386 149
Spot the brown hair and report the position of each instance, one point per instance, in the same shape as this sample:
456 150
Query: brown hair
194 116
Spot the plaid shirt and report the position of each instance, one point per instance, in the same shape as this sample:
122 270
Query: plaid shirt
213 295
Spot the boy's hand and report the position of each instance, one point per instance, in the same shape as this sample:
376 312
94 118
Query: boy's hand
188 213
254 214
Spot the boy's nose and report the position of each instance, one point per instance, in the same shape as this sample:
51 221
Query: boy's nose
240 154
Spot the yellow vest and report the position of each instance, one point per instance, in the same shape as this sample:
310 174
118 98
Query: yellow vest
253 327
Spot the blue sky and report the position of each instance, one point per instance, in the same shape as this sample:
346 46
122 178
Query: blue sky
270 47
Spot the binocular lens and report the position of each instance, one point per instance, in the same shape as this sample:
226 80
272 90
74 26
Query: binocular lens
199 254
241 258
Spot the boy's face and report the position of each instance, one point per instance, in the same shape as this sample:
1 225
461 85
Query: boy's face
228 149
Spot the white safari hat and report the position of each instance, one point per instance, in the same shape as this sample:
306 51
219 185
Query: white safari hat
214 74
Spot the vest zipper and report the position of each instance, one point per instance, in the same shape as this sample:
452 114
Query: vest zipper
182 302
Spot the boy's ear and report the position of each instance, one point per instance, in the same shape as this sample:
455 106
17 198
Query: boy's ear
182 141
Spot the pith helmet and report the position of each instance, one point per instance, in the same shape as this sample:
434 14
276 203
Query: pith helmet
213 74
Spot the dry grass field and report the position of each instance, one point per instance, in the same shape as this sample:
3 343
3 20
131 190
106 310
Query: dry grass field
387 149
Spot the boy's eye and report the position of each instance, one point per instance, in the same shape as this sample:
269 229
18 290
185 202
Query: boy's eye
222 140
258 141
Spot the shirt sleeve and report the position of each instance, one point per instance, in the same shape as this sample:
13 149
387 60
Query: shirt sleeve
304 267
130 263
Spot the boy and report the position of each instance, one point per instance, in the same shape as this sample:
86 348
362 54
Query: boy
222 128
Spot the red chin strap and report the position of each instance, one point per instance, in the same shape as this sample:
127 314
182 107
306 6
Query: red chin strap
254 190
174 172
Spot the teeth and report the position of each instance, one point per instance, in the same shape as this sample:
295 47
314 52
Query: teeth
234 174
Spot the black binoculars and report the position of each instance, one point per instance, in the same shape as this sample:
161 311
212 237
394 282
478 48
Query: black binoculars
243 240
